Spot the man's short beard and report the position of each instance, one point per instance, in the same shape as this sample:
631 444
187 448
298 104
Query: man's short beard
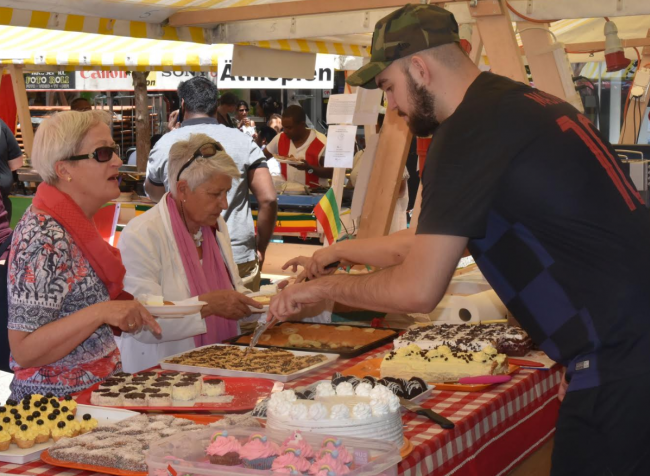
422 120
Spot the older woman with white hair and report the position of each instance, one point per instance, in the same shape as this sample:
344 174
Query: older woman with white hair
172 251
65 283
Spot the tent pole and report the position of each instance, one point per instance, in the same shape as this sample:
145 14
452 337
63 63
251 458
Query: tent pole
495 28
385 179
22 106
628 134
142 122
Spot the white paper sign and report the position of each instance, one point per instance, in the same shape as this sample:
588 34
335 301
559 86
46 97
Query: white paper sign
367 107
339 151
323 77
340 108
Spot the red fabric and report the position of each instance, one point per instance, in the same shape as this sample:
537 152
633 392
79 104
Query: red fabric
312 155
103 258
7 103
104 220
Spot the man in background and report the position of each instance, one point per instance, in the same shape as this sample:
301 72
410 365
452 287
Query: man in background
275 123
299 142
11 158
227 105
265 136
80 104
198 105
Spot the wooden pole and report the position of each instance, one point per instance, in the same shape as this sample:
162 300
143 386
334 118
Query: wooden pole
142 120
392 151
628 134
495 27
22 106
537 43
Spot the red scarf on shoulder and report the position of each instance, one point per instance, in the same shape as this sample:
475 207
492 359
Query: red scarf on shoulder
105 259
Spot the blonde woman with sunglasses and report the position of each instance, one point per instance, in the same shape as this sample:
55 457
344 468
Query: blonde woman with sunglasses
65 283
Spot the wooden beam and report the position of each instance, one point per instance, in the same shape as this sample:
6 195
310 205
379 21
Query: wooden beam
551 10
628 134
22 106
600 45
537 41
277 10
142 120
392 151
500 41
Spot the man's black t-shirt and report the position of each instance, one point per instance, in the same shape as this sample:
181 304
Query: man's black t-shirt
556 227
9 150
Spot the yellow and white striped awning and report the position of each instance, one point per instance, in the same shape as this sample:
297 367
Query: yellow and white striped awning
309 46
146 19
49 49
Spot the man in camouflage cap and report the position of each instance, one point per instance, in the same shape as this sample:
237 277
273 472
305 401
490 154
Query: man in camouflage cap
556 226
407 46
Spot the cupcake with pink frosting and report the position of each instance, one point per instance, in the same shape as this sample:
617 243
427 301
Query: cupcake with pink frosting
335 444
297 441
329 465
259 453
291 459
224 449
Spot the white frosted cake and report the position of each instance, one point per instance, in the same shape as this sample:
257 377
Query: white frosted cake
368 412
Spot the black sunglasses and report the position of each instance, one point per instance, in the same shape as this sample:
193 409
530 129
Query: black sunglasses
100 154
206 151
243 110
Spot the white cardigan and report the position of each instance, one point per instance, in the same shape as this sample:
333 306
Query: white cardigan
153 266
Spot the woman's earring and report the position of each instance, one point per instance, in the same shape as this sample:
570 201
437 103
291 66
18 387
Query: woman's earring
184 201
69 179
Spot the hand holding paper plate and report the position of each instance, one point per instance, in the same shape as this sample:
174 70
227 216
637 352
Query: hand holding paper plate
161 308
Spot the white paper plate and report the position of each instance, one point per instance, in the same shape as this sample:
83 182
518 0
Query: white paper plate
175 311
287 161
239 373
103 415
255 310
264 308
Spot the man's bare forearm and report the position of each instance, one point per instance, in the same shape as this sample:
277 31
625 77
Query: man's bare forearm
388 290
382 252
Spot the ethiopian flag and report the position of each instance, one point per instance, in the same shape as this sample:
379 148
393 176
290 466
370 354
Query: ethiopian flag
327 214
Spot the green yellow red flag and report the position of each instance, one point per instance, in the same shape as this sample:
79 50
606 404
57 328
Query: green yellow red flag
327 214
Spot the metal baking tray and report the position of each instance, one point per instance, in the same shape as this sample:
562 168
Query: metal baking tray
347 354
241 373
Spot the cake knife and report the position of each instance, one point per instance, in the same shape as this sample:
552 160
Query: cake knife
259 330
427 412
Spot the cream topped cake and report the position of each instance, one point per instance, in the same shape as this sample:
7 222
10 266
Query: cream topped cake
442 364
506 339
340 411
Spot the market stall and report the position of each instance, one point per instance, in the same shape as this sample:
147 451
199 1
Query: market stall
488 426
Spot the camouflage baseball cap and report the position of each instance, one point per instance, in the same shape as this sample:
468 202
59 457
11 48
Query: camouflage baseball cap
408 30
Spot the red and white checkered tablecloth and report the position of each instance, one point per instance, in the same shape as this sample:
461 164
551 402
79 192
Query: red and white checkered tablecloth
495 430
